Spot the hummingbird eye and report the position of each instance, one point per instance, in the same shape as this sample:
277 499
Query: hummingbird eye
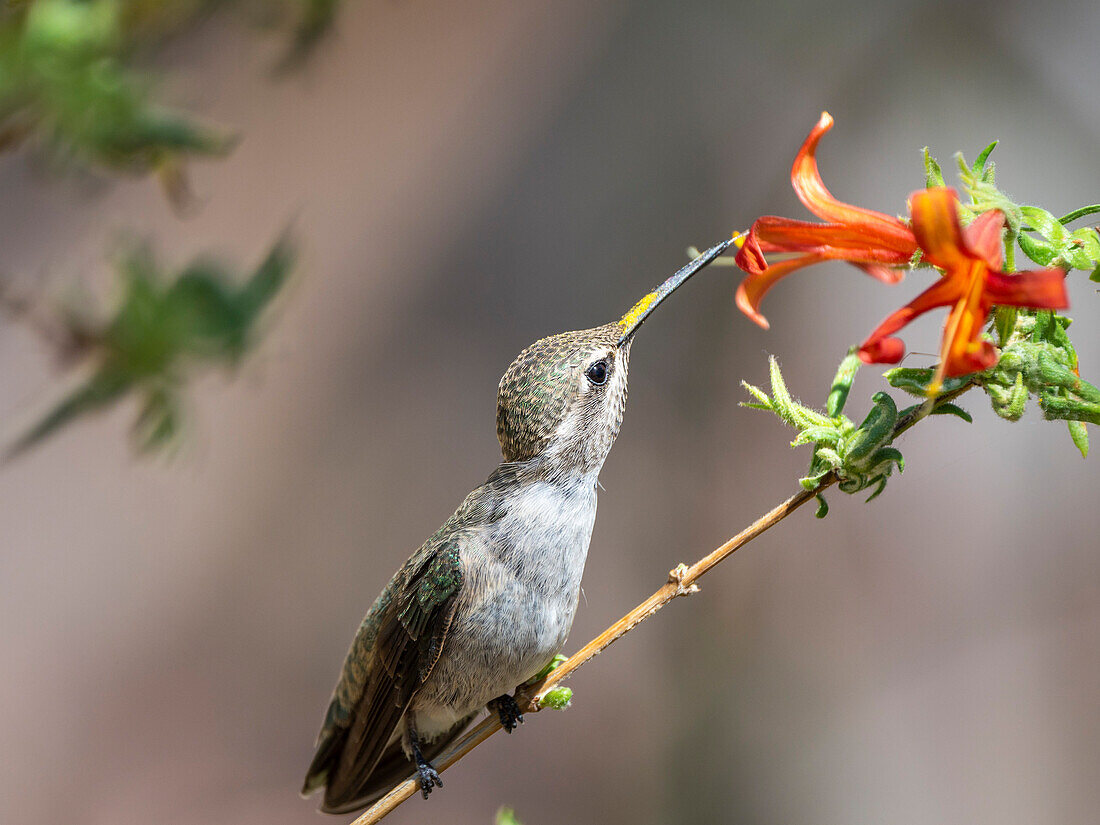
597 372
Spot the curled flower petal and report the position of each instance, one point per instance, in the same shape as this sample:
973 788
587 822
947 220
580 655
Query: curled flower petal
811 190
970 259
752 289
876 243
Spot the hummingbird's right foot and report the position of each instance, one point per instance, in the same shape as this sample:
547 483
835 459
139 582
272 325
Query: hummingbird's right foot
507 711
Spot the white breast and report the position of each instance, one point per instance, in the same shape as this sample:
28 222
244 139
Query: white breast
521 583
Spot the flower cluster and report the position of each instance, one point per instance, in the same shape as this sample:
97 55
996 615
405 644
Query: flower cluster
969 260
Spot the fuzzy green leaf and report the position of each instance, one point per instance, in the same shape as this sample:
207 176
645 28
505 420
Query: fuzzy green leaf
952 409
842 382
978 168
933 174
1078 431
557 698
1004 320
1076 214
1041 252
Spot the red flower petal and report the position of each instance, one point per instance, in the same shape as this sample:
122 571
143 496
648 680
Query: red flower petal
753 288
811 190
880 347
1039 288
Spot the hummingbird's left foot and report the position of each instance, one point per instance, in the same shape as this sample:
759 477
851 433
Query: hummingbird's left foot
507 711
428 777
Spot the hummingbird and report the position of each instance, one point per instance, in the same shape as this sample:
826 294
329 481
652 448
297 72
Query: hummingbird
488 600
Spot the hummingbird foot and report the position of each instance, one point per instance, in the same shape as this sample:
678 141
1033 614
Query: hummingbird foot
507 711
426 775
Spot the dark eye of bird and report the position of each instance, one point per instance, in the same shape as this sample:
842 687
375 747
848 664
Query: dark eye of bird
597 373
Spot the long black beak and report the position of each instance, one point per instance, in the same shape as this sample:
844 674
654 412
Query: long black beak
630 322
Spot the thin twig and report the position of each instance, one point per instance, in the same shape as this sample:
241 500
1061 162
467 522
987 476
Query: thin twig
681 582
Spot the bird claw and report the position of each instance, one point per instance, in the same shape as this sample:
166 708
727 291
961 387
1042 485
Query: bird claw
507 711
428 778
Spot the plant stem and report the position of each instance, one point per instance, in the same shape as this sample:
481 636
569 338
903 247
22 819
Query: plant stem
681 582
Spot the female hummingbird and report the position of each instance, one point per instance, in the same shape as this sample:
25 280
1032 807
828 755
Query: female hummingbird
488 600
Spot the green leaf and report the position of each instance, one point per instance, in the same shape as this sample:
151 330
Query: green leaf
1060 408
912 380
876 430
1043 222
842 383
1088 239
952 409
933 174
164 330
817 435
1042 252
557 698
822 505
979 164
554 664
1004 321
1078 431
759 395
1079 213
506 816
878 490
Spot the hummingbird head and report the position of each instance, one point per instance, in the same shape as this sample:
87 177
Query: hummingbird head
563 397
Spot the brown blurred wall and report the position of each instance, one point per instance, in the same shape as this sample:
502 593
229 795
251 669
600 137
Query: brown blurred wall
467 177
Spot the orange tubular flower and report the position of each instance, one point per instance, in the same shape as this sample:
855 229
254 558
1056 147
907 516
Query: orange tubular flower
871 240
972 281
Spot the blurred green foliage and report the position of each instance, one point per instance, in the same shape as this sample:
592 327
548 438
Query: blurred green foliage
77 86
68 81
163 330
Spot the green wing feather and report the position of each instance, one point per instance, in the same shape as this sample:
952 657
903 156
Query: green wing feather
392 655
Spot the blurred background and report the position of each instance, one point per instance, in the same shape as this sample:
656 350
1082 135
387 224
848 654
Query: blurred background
464 178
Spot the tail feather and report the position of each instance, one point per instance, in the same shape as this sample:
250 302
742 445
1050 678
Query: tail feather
392 768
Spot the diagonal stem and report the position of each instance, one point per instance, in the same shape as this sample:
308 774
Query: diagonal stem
681 582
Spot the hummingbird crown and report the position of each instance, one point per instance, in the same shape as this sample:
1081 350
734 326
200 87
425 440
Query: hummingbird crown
564 396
